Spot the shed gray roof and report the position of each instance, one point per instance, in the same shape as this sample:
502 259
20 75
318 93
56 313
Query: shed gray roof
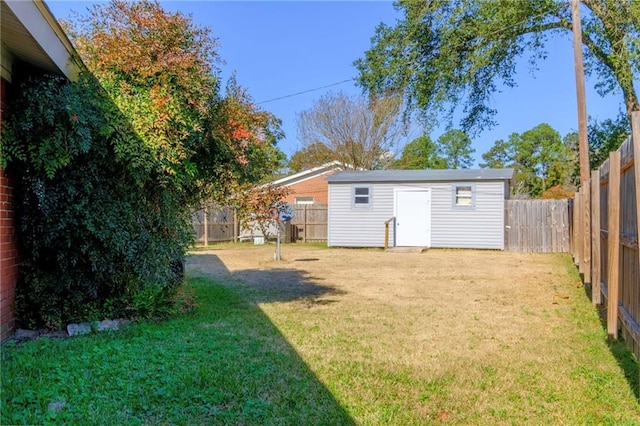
419 175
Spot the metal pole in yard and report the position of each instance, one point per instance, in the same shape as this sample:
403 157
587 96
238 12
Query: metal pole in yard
278 241
206 226
235 225
304 225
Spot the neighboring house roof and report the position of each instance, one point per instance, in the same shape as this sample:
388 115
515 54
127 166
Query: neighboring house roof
420 175
307 174
32 34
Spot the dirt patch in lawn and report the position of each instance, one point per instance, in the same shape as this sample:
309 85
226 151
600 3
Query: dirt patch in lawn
443 335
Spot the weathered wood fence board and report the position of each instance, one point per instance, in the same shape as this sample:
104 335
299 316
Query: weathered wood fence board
220 224
309 223
537 226
214 224
613 243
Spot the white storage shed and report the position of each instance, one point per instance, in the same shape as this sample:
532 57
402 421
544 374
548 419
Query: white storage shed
424 208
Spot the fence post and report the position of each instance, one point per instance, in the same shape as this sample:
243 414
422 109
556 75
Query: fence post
571 222
236 226
304 224
596 292
577 214
574 228
586 230
635 136
614 244
206 225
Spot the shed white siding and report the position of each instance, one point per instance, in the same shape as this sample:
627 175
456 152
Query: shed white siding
481 226
349 227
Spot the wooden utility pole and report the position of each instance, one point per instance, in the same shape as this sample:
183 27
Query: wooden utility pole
583 143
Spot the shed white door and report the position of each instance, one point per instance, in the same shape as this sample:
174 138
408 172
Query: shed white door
413 218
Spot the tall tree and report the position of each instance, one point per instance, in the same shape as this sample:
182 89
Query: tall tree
571 146
540 157
499 156
444 53
239 148
455 147
160 70
420 153
361 133
310 156
541 150
606 136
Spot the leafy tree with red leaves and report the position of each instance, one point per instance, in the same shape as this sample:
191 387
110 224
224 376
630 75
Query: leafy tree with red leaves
159 68
109 168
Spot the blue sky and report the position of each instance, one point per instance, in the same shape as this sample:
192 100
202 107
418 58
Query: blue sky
283 48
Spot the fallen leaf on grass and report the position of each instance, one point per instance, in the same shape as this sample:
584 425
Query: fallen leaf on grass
559 296
442 415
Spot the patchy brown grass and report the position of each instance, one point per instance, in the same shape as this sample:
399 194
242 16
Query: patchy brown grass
445 336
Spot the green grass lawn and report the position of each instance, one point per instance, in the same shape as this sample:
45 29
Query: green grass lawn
224 364
247 357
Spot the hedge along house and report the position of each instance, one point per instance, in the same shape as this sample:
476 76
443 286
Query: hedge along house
424 208
30 36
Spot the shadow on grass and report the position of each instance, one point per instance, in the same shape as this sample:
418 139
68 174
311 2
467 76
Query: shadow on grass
225 363
265 285
619 349
623 355
314 404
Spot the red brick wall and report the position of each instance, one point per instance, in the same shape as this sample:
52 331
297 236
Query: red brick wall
8 246
315 187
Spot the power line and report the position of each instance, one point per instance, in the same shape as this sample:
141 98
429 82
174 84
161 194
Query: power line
306 91
413 31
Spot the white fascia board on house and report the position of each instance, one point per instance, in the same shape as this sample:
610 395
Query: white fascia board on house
307 174
45 30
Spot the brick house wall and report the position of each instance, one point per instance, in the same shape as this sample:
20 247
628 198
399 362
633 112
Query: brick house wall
8 244
315 187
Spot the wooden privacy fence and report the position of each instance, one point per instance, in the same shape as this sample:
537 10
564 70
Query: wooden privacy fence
220 224
605 237
215 224
537 226
309 223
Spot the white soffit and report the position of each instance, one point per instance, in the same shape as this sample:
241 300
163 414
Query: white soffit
33 35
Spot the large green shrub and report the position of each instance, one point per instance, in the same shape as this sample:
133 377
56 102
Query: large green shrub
96 228
109 168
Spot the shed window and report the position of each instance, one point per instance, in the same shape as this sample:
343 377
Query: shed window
303 200
361 197
464 196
